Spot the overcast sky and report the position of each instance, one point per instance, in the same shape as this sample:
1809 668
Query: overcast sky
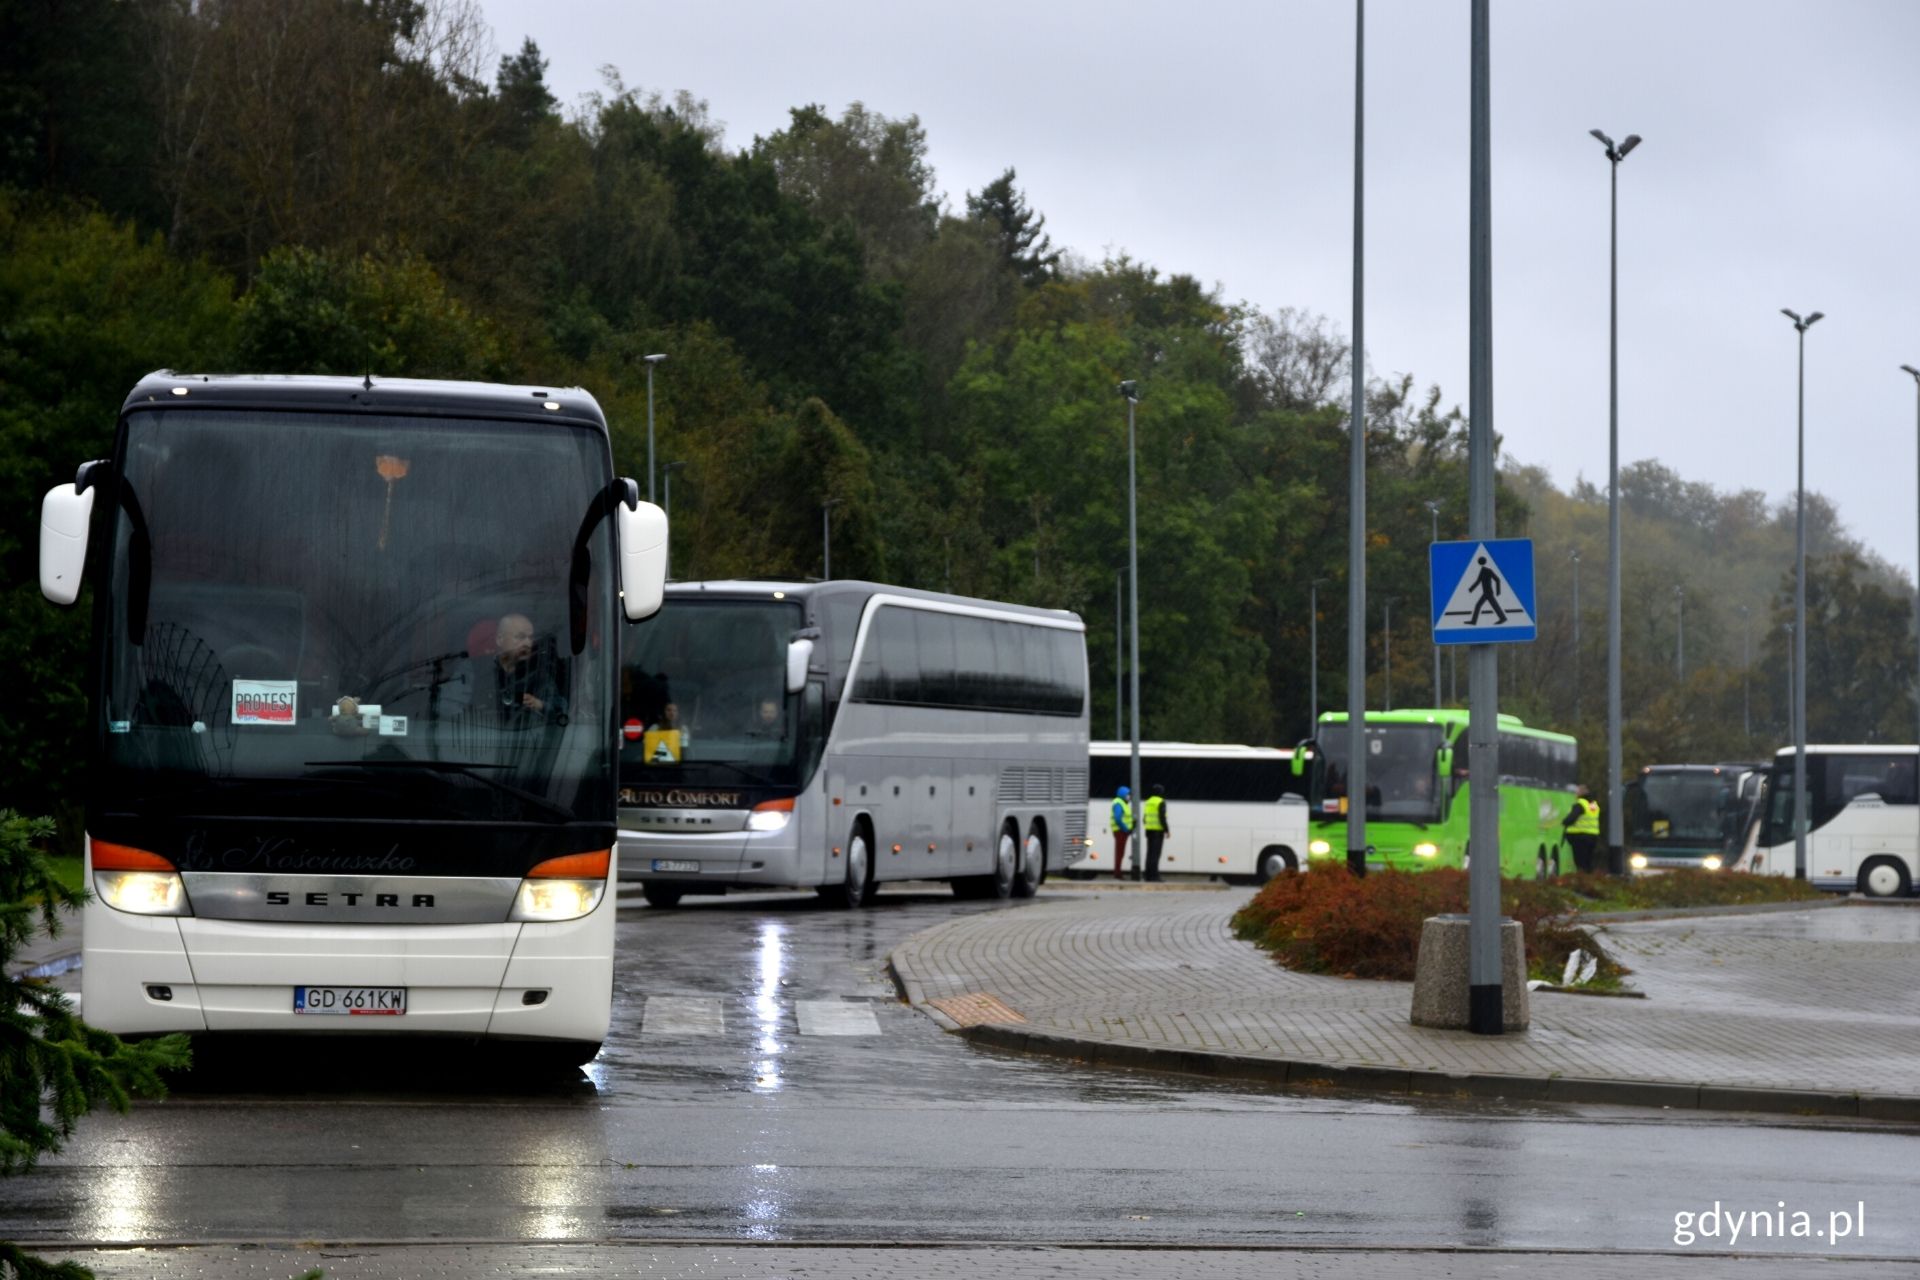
1215 139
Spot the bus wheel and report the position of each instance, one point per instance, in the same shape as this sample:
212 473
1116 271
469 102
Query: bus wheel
1033 866
1884 878
661 895
1540 864
1275 860
856 885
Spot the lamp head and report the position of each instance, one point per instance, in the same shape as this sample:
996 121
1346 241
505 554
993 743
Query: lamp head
1130 389
1605 141
1791 316
1632 141
654 359
1907 368
1815 316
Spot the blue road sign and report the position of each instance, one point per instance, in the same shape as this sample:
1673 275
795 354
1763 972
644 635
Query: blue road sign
1482 592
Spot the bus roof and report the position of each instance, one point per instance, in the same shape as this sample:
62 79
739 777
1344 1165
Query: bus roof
1723 767
1455 717
751 588
166 389
1851 749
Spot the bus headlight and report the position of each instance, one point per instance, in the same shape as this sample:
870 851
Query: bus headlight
138 882
1711 862
548 900
144 893
1318 849
563 888
772 815
1638 862
1426 849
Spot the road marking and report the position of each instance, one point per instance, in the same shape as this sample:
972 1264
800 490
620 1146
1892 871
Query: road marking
682 1016
835 1018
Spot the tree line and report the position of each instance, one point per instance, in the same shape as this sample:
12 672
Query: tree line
358 186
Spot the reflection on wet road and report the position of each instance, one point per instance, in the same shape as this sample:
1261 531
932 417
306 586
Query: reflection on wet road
762 1082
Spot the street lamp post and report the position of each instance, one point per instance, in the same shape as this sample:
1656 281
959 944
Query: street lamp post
1130 391
1574 555
666 492
1357 482
826 538
1679 632
1800 327
1746 673
1433 506
1907 368
1119 652
1616 851
651 361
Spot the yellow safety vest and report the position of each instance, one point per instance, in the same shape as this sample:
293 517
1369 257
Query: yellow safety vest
1150 817
1588 823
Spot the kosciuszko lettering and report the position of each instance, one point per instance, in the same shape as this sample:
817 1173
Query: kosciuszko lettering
280 853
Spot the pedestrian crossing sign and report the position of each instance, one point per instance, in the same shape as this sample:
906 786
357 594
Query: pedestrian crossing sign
1482 591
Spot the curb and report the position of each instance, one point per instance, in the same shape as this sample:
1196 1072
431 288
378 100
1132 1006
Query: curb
1731 909
1415 1081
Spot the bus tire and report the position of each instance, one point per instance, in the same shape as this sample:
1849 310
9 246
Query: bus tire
999 882
658 894
1540 864
1032 872
856 884
1275 860
553 1056
1885 878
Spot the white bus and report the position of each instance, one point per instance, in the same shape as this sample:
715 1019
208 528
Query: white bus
839 735
351 741
1239 813
1864 824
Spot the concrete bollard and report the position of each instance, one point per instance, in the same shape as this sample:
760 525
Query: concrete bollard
1440 975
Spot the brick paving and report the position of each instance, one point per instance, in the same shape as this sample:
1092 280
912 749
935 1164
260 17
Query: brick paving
1815 1005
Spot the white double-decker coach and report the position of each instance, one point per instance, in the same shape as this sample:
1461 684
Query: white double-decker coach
839 735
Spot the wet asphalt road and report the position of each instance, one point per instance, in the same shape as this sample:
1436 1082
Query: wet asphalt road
732 1115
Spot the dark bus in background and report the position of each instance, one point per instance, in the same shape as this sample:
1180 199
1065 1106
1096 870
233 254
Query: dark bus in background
1690 815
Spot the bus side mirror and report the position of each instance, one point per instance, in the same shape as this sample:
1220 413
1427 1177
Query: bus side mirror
1443 761
799 657
66 513
1299 763
643 559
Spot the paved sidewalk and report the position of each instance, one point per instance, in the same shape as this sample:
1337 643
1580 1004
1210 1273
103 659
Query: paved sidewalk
726 1261
1809 1011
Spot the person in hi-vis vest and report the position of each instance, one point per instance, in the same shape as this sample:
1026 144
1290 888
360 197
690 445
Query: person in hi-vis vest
1153 819
1122 826
1583 829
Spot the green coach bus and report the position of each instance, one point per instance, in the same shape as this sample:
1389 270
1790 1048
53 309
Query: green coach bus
1417 767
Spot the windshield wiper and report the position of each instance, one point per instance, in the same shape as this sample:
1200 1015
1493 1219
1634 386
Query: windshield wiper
463 768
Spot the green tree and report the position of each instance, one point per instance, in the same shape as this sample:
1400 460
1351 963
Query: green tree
54 1068
1024 244
864 169
314 311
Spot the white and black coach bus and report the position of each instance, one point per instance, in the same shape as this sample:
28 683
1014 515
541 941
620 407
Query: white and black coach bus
839 735
351 742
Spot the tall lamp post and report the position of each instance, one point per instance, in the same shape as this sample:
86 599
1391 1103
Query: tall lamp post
1907 368
1119 652
1130 392
1433 506
1313 656
1357 482
1746 673
1800 327
666 487
826 538
651 361
1616 850
1679 632
1574 556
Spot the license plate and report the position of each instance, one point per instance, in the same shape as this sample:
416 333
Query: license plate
351 1001
672 864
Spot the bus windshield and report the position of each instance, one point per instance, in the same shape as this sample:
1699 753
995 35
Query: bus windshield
1692 807
1401 770
351 616
704 700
